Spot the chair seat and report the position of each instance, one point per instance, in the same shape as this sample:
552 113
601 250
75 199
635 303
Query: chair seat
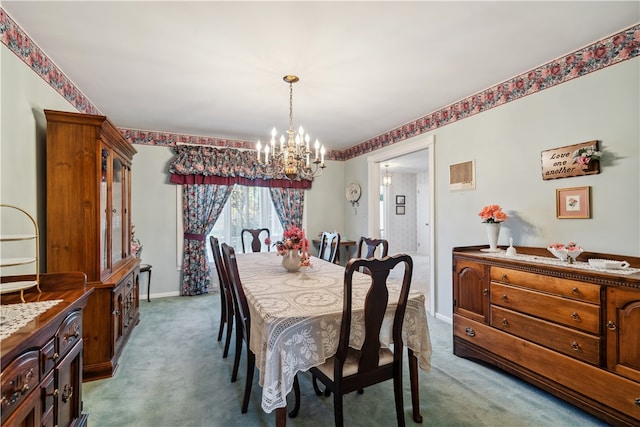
351 363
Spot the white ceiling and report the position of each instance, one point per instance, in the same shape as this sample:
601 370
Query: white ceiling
215 68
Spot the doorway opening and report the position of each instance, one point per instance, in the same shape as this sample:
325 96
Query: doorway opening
403 211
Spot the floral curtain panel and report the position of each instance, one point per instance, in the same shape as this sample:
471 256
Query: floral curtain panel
289 204
201 206
225 166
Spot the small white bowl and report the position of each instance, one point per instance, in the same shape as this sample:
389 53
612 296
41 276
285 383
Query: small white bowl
608 264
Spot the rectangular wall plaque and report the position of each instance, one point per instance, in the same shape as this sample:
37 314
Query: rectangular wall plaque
462 176
558 162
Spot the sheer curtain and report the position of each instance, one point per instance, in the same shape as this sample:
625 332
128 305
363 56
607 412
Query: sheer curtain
202 204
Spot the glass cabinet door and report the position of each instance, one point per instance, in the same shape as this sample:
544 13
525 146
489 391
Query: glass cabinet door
105 209
117 211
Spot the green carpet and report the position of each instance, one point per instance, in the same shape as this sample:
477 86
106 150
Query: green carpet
172 373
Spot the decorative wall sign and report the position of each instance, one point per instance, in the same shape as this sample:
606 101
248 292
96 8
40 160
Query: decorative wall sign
573 202
462 176
572 160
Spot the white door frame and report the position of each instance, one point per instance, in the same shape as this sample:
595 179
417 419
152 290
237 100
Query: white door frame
411 145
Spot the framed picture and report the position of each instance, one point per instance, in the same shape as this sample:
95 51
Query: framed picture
573 202
400 200
400 210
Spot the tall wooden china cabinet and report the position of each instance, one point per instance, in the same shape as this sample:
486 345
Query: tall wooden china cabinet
569 329
89 229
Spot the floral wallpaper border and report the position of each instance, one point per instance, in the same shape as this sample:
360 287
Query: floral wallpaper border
619 47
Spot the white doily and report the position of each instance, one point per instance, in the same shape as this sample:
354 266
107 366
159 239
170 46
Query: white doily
579 265
15 316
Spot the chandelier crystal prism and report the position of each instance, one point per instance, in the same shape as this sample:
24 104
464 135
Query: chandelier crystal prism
292 157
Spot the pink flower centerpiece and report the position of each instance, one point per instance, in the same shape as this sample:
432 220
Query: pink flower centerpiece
294 240
492 214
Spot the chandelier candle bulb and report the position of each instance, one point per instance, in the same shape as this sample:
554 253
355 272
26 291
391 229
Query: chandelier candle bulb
266 154
317 146
322 155
258 148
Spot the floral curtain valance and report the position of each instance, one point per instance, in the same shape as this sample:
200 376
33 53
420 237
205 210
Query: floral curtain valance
225 166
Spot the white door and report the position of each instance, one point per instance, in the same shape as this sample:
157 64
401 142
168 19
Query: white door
422 217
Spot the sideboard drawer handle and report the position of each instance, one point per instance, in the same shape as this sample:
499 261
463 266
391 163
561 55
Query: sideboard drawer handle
485 291
470 331
575 346
504 298
611 325
505 322
575 291
575 316
637 402
505 278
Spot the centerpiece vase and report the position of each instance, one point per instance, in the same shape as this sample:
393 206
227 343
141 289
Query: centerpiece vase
493 231
291 260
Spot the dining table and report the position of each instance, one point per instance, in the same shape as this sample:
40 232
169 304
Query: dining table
295 322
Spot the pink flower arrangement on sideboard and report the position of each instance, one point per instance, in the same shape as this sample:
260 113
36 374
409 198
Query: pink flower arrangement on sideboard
492 214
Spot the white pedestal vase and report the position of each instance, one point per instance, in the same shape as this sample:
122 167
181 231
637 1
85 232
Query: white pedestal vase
493 231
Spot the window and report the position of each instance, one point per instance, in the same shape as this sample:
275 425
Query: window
247 207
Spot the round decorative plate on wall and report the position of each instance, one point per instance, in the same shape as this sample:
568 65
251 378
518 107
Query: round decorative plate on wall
353 192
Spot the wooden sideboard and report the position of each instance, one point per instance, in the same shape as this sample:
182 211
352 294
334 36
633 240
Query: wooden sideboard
42 360
568 329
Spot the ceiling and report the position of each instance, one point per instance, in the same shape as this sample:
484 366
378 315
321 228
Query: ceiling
215 68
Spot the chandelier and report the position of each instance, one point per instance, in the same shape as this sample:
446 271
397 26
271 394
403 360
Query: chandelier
292 157
386 179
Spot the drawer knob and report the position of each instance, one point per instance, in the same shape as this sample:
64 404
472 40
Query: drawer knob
485 291
637 402
55 393
575 316
55 357
505 322
505 298
470 331
505 278
575 346
575 291
24 389
611 326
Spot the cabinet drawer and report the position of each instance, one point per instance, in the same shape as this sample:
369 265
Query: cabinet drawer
19 379
585 380
69 332
575 289
565 340
48 357
575 314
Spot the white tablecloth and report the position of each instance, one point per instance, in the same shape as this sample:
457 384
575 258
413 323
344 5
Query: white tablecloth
295 319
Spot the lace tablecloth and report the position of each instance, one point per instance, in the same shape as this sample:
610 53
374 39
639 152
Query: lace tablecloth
295 319
15 316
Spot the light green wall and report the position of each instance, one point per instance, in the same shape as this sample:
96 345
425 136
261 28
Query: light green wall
505 142
23 136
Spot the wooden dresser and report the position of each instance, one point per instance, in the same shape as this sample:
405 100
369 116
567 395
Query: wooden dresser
89 228
571 330
42 360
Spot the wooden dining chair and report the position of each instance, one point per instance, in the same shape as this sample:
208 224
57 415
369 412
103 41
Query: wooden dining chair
371 246
367 248
329 246
350 370
243 323
226 299
256 242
